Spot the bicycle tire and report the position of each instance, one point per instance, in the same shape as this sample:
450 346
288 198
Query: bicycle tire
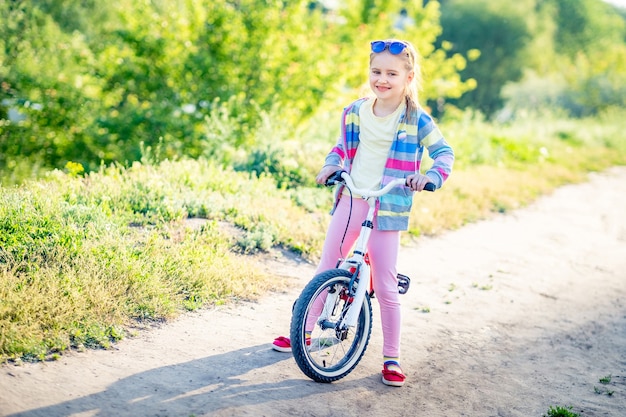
331 355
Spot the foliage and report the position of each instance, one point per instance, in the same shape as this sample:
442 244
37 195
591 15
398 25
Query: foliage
501 32
48 114
559 411
187 133
85 258
586 74
585 26
95 255
500 167
522 48
94 83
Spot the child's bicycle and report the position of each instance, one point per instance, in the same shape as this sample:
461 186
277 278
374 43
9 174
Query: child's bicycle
331 322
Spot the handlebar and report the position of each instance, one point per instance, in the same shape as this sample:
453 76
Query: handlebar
343 176
430 187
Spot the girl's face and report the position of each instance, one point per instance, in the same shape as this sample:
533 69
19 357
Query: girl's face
389 77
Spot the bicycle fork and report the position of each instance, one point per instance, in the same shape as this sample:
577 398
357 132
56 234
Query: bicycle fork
354 298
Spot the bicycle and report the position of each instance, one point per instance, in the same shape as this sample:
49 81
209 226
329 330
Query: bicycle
329 337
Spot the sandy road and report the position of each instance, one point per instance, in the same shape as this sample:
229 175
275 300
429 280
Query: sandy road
505 317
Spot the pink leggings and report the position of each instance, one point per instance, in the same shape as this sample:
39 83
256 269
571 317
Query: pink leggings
383 253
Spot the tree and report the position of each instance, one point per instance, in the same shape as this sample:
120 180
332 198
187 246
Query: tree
46 84
500 31
585 26
95 83
582 67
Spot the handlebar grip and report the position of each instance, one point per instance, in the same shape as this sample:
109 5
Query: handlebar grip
334 178
428 187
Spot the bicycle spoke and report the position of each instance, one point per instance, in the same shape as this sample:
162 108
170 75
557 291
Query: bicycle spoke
333 352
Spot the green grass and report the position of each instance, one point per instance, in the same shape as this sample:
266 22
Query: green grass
86 258
559 411
83 259
605 380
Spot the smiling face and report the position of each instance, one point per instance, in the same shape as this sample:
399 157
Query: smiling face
389 78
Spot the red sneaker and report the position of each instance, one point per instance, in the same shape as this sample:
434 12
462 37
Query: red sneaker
283 344
392 378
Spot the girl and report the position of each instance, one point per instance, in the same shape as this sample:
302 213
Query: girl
383 138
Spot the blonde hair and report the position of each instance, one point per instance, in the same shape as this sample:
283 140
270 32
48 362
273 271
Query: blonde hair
411 63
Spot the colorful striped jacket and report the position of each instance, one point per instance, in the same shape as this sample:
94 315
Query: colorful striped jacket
415 132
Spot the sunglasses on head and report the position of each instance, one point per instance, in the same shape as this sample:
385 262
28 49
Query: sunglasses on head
394 47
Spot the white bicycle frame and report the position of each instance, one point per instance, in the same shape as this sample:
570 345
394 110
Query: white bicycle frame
357 259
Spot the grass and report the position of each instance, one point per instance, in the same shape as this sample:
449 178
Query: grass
605 380
500 168
86 258
559 411
83 259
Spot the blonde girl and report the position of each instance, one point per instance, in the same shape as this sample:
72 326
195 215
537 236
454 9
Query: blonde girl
383 138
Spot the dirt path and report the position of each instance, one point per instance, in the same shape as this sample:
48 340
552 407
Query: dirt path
504 318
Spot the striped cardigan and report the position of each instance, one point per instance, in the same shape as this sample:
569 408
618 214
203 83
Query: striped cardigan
415 132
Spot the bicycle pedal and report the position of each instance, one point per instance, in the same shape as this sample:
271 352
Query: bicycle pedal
403 283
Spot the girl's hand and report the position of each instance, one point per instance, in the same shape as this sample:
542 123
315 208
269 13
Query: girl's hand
326 172
417 182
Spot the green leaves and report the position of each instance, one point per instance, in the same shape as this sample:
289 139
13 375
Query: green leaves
93 83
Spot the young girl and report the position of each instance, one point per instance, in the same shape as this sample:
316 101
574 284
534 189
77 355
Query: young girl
383 138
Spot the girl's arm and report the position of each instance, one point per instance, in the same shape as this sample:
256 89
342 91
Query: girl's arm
438 150
443 157
332 163
337 155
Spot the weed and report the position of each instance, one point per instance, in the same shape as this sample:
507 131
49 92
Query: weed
559 411
485 287
605 380
601 391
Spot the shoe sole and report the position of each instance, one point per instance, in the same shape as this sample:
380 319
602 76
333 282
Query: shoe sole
393 383
281 349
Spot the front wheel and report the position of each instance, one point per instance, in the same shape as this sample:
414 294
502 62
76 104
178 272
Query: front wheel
324 351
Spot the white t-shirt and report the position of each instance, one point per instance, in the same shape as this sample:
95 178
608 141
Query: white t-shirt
375 137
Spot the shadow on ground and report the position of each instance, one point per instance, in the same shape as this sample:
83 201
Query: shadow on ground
200 387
